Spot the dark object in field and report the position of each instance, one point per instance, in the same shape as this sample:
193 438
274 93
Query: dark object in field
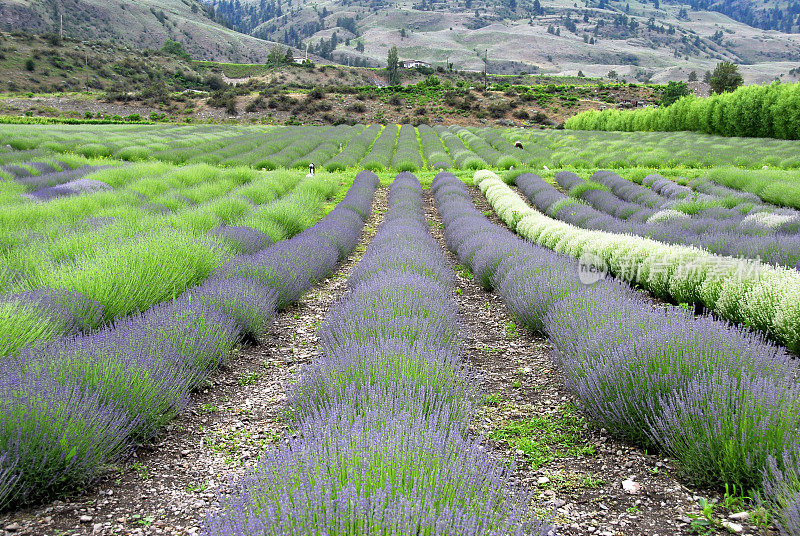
518 144
311 168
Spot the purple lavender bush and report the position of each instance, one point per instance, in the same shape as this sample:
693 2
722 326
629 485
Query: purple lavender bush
201 335
291 266
249 303
73 187
697 421
53 435
781 490
244 239
393 305
379 475
8 480
125 367
53 178
419 380
75 311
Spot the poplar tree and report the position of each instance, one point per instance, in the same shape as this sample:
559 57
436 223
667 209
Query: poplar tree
393 67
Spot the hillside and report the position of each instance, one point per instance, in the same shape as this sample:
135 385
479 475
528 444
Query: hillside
46 64
637 40
43 76
641 41
781 16
141 24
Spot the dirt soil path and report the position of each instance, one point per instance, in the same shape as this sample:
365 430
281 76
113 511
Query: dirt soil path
170 483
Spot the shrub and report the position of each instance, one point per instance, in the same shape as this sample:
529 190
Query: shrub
54 435
726 77
132 277
673 92
357 107
93 150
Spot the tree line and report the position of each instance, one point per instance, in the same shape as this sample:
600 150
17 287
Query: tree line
770 111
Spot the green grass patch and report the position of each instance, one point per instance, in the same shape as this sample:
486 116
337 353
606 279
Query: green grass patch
547 437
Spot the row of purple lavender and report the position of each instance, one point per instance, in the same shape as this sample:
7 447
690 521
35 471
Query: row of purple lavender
380 443
51 182
73 405
611 203
722 401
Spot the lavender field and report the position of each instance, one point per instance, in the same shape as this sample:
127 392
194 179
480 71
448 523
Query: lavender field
442 331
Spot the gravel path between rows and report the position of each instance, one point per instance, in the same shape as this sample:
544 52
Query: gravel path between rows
169 484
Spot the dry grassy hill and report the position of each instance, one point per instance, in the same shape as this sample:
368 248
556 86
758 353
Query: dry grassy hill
638 40
141 24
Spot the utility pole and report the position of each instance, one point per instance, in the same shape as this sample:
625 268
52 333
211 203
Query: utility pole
61 30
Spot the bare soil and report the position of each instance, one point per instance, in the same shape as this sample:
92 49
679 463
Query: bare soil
337 107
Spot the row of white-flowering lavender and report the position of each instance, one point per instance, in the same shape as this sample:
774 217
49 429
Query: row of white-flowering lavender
381 419
761 297
719 399
717 230
71 406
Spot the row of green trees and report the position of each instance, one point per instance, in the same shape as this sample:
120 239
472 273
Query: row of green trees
771 111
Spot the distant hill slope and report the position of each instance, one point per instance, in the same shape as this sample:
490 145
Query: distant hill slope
783 16
42 64
142 24
645 40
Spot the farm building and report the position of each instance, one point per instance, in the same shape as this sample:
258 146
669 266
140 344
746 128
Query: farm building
413 64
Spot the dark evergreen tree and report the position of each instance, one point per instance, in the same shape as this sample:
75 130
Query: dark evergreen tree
726 77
